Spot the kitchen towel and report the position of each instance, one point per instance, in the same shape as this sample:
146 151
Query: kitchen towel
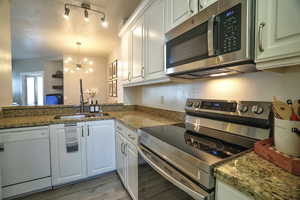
71 139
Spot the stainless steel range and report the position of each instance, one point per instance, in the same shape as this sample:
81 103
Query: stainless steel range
177 161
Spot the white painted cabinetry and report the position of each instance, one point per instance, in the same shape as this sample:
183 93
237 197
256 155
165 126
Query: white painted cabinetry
121 157
137 50
127 158
92 150
179 11
155 40
67 166
100 147
226 192
277 33
126 57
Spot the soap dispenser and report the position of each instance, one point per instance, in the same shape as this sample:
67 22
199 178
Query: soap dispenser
97 107
92 107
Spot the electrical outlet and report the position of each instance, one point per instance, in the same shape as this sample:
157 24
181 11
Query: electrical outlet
162 100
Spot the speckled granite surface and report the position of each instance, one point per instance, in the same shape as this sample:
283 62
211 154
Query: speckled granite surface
133 119
259 178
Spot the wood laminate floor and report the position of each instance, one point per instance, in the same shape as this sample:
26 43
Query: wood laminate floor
106 187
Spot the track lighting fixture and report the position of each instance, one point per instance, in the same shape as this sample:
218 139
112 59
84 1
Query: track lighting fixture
87 8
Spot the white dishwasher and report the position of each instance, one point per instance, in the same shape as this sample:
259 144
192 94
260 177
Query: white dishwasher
24 160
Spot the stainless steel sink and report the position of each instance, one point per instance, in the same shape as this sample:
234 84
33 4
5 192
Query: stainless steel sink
81 115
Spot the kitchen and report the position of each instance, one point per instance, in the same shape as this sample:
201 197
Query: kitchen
151 99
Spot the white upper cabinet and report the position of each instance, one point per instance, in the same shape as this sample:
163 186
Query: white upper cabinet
125 57
154 31
137 43
277 33
180 11
100 147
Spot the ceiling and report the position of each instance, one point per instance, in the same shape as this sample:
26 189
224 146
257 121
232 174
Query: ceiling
39 29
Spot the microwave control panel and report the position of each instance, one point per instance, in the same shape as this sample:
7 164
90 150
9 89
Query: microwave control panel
230 30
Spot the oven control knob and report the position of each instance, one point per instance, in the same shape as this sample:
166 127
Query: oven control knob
243 108
196 104
189 104
257 109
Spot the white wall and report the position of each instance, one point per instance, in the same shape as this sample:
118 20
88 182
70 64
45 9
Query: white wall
259 86
95 80
5 54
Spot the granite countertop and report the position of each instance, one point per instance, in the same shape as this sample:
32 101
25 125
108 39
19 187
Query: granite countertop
259 178
133 119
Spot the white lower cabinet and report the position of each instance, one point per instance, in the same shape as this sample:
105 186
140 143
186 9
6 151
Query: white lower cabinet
132 171
121 157
227 192
127 159
81 150
67 165
100 147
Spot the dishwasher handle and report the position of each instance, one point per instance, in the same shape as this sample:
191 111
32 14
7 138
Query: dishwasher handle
172 175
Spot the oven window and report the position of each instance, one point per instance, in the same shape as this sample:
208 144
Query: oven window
153 186
189 47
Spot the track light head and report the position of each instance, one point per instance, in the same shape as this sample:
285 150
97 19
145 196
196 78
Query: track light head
67 13
86 15
104 22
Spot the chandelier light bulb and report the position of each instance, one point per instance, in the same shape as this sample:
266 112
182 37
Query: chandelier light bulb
91 62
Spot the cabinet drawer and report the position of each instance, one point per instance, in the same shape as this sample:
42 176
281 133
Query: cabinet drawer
132 147
132 137
122 129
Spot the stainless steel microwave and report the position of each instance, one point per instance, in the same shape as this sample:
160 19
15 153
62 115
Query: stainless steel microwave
217 41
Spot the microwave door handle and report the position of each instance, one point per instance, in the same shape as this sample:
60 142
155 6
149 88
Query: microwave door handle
210 36
172 175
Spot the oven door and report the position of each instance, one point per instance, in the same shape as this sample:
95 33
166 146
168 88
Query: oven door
158 180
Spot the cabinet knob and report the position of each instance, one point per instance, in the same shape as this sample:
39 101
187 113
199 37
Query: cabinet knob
2 147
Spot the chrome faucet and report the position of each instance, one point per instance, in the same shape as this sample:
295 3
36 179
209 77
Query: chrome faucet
81 98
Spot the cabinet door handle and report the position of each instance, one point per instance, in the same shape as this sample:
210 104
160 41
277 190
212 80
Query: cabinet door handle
129 76
125 145
122 148
82 134
2 147
190 9
88 130
143 72
260 44
200 6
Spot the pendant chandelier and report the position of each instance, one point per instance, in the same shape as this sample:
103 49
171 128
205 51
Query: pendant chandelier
79 63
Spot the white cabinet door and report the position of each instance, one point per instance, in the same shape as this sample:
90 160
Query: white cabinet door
67 164
154 31
226 192
137 44
180 11
126 57
100 147
277 33
121 157
132 171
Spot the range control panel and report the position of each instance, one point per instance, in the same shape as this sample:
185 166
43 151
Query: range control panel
252 109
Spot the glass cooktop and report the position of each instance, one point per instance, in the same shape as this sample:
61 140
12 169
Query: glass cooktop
193 143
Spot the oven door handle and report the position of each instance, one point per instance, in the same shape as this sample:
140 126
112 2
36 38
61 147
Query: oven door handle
172 175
